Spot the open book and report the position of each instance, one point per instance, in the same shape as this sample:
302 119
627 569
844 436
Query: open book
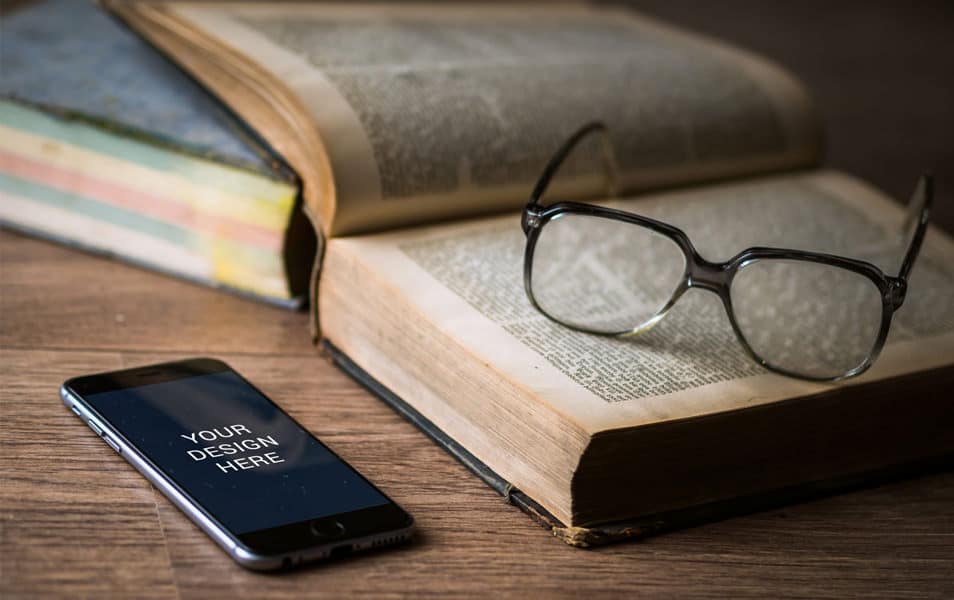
409 125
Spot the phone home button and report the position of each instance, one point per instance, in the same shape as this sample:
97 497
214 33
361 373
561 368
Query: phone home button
328 529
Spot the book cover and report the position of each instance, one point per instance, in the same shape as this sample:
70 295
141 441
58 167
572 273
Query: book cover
110 147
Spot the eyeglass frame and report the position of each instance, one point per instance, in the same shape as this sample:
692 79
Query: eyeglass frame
717 277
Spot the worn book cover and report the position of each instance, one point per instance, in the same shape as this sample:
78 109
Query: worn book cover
107 145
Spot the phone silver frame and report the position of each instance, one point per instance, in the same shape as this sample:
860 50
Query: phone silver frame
206 522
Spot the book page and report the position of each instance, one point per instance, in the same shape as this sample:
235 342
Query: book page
467 279
432 111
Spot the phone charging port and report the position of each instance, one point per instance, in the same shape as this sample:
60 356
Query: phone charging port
339 551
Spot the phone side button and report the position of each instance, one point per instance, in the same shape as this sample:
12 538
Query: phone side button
96 429
112 444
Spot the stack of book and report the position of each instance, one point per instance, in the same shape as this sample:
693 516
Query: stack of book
106 145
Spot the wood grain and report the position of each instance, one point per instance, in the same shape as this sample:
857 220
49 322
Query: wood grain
61 300
71 513
78 521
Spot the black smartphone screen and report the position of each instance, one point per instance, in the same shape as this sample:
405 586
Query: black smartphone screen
233 450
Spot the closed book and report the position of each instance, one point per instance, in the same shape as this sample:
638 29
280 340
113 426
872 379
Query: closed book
106 145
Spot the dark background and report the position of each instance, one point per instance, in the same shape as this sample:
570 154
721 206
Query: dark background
880 71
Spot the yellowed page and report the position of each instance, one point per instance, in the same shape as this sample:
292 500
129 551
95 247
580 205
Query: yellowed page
436 111
466 279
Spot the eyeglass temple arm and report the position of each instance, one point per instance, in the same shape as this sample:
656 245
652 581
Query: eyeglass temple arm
919 208
609 160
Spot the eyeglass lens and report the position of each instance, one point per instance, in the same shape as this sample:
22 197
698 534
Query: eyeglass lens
603 275
806 317
608 276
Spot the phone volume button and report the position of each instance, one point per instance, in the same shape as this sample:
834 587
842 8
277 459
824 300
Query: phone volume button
96 428
112 444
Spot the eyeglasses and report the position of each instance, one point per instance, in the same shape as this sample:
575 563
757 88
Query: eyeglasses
803 314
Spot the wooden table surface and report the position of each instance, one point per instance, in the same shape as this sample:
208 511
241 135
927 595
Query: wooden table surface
77 521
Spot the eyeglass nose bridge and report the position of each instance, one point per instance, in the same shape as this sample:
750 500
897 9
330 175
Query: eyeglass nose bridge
711 276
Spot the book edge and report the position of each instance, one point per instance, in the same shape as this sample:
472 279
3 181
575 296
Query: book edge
297 302
641 527
271 168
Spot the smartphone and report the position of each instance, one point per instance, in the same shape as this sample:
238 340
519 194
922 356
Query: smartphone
258 483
